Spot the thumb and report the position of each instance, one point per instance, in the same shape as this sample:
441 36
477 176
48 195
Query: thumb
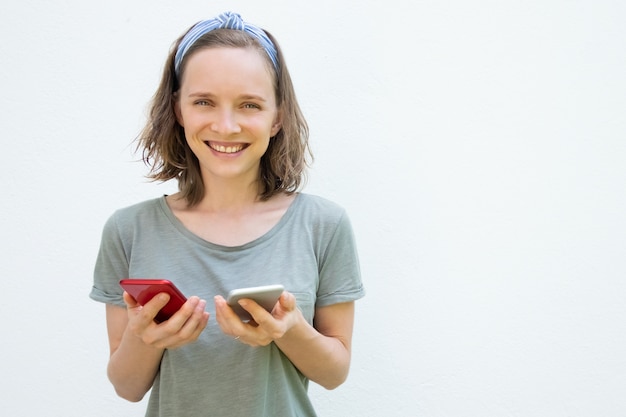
130 301
287 301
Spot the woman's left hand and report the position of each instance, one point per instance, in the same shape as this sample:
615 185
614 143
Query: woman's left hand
264 327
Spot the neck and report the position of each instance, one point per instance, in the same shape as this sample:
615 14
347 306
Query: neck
228 195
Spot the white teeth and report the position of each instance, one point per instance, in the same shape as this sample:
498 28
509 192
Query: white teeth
227 149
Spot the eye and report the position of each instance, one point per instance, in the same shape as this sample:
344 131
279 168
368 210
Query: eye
251 106
202 102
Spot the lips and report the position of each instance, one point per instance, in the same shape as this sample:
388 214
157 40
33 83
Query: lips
234 148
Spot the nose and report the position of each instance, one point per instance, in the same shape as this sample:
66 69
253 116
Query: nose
225 122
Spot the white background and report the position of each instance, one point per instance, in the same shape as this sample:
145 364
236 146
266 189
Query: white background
479 148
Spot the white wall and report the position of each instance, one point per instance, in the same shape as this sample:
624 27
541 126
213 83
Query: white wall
478 146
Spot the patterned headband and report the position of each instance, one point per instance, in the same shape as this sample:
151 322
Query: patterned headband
226 20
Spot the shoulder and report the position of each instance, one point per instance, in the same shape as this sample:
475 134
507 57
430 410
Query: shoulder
321 214
320 205
138 210
130 217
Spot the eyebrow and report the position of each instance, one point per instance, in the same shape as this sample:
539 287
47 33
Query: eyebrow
201 94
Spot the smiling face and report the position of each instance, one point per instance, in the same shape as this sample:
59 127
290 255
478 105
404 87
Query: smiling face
227 107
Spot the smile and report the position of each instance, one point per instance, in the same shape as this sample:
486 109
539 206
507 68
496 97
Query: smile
225 149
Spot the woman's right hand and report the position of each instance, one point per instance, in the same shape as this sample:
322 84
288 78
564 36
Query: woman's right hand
182 328
137 342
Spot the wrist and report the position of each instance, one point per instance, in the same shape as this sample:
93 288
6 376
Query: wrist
297 327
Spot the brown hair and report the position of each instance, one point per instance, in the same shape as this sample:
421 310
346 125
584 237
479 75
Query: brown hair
166 152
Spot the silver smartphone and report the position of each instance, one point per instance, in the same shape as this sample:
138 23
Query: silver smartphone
266 296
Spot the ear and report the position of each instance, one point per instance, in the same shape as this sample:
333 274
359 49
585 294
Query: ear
278 124
177 112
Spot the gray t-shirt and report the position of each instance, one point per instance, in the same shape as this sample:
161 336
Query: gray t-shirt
311 251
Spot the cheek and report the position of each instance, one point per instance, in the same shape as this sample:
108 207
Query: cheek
261 126
192 122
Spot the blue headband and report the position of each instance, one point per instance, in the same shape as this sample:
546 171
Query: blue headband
226 20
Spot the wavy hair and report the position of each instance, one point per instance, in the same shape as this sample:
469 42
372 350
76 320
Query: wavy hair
164 147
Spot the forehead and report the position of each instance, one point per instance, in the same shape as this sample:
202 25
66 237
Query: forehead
232 65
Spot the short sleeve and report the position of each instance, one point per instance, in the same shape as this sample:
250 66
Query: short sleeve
111 266
340 273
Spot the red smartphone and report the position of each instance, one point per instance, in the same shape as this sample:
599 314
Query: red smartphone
143 290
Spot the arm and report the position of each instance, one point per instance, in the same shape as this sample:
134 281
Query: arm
132 364
321 352
137 342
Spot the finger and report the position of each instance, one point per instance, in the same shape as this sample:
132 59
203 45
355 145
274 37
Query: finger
178 320
264 327
196 326
129 300
259 314
176 336
287 301
223 313
226 318
222 309
152 307
196 322
189 333
231 324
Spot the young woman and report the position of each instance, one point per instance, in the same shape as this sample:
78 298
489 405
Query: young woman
225 123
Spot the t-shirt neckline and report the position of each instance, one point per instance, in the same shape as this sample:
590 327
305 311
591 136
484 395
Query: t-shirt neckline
181 228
